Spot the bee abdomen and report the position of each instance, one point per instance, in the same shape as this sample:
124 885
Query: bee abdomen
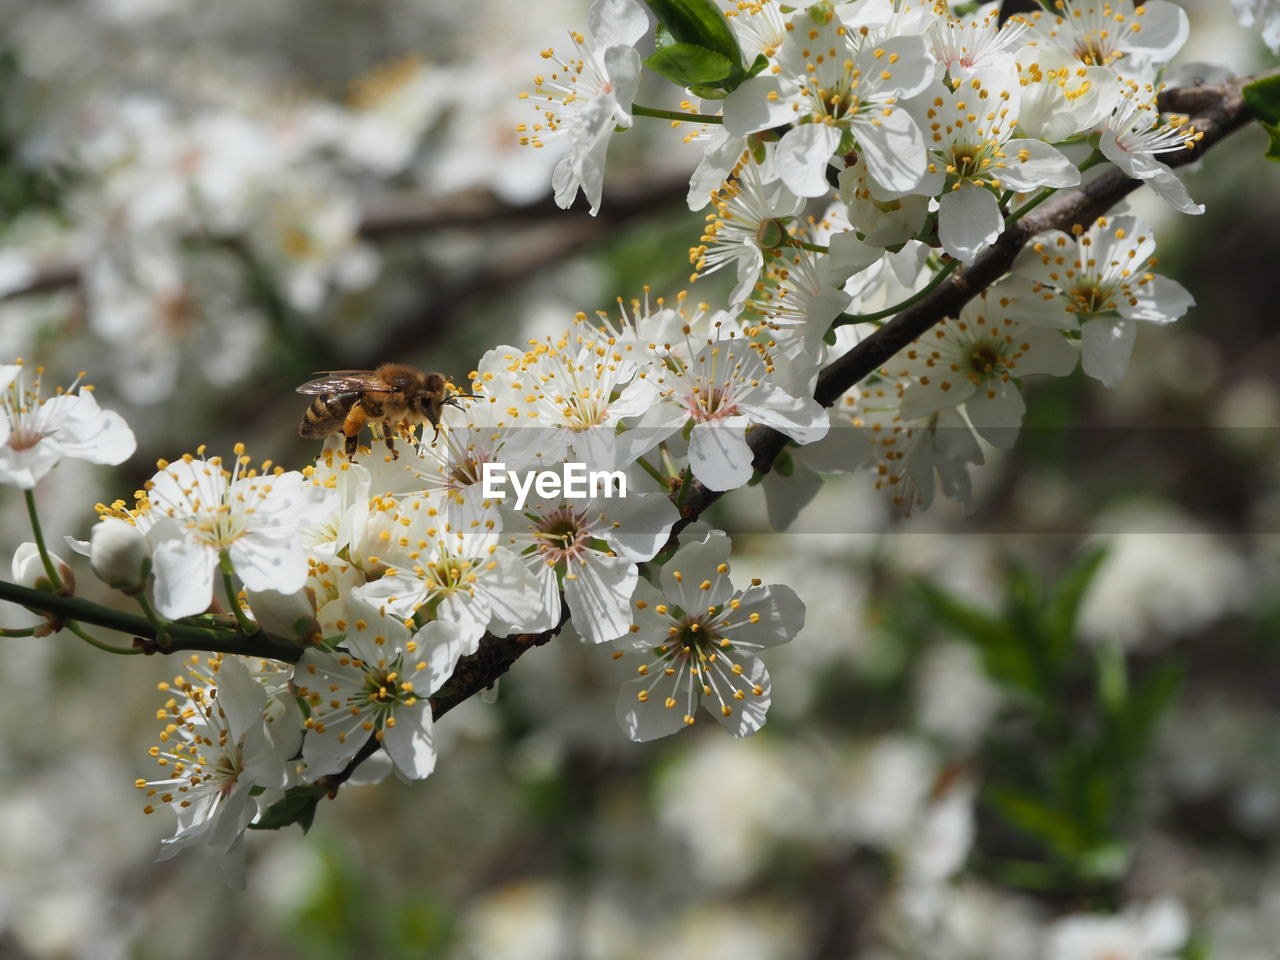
326 414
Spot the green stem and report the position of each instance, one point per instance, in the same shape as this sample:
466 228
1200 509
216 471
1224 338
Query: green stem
1091 161
684 488
805 245
18 632
1030 205
181 636
149 612
652 471
93 641
847 318
660 114
247 626
39 538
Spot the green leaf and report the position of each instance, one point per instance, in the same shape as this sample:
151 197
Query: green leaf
1262 97
689 65
969 622
1066 598
1149 702
1273 148
699 23
296 806
1112 679
1036 818
1009 657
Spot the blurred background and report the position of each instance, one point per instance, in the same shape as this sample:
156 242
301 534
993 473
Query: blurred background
1050 728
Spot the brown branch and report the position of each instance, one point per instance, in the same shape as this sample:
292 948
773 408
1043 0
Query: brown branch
413 215
1220 111
1216 119
1218 115
54 275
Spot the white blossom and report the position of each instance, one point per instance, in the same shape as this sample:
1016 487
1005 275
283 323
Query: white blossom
377 684
1100 32
1265 14
590 548
119 554
751 213
199 516
589 95
977 360
1153 931
35 433
723 388
445 560
1098 282
1135 135
973 155
832 85
216 748
700 639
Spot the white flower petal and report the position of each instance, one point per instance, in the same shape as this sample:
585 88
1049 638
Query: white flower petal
409 742
757 104
1105 346
747 715
718 453
649 719
893 148
644 523
445 644
1030 164
802 419
599 595
1164 30
1168 186
184 575
803 156
922 399
996 410
1159 300
779 616
969 219
616 22
785 497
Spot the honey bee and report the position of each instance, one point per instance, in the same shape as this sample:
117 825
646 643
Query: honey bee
394 395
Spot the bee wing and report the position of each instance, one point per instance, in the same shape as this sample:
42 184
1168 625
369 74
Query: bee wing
345 381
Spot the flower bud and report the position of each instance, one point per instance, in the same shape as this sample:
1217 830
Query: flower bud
291 615
119 555
29 571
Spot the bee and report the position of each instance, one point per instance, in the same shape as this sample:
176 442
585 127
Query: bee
393 395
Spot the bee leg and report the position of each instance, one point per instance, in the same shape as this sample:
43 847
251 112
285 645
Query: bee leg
389 435
351 428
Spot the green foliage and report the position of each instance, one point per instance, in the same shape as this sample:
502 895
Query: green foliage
1063 768
1263 99
298 805
23 186
690 65
343 917
697 48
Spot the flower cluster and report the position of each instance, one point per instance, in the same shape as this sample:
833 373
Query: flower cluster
869 149
182 185
382 573
921 135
